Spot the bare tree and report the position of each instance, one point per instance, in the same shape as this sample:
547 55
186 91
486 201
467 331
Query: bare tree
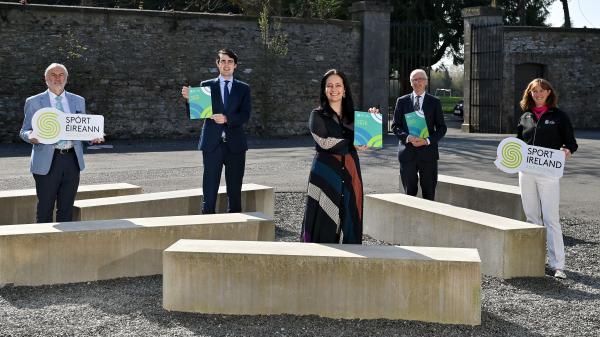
565 4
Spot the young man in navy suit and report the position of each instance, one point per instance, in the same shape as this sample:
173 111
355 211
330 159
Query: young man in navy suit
223 141
55 167
419 156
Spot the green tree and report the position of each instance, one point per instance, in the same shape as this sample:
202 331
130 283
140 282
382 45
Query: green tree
536 12
445 17
322 9
440 78
446 22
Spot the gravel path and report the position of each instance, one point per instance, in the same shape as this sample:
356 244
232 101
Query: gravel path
132 306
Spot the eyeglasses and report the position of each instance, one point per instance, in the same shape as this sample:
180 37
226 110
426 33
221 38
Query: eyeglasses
418 79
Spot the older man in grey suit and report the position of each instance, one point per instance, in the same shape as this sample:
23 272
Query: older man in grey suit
55 167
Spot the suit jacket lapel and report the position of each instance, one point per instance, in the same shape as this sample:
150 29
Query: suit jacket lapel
233 94
425 103
215 89
73 108
45 100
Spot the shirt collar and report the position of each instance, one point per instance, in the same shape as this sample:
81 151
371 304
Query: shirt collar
53 95
415 95
222 79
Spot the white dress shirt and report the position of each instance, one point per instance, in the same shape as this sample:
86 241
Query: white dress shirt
66 109
222 86
63 99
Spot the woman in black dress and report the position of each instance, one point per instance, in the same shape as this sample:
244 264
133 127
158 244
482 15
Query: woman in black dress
334 204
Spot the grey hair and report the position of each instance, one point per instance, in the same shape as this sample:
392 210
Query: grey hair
416 71
54 65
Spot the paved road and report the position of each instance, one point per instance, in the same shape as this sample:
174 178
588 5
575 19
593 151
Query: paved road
284 163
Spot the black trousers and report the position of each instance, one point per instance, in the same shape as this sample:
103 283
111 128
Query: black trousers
58 187
423 171
234 174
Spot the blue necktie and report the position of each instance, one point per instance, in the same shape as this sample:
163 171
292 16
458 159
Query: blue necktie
61 144
59 105
226 94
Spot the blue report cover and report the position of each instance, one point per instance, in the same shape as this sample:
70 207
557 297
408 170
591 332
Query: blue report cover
417 126
368 129
200 103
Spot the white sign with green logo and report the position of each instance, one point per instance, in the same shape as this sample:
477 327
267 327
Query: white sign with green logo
514 155
51 125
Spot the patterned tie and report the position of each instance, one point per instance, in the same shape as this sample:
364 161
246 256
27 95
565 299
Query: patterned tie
226 94
417 105
59 105
61 144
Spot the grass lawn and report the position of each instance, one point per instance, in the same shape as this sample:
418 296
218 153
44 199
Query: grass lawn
448 103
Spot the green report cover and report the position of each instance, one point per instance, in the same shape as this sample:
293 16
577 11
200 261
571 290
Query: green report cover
367 129
416 124
200 103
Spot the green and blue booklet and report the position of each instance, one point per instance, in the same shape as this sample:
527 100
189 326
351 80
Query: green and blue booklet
200 103
368 129
417 126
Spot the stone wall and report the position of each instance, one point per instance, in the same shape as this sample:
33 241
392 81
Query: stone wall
130 65
568 58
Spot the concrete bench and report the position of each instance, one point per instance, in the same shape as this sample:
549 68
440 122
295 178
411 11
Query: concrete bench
19 206
338 281
255 198
51 253
499 199
508 248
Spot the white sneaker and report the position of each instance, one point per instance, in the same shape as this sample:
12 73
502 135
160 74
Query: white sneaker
560 274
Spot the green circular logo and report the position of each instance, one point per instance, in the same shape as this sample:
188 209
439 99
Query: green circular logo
511 155
48 126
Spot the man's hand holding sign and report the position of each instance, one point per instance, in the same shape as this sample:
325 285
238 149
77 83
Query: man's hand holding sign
50 125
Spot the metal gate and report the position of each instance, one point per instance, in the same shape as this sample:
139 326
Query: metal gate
485 103
411 47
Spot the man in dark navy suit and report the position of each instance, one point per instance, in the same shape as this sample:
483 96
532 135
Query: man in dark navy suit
419 156
223 141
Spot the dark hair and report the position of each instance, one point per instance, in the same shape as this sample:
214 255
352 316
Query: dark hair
527 101
347 102
229 53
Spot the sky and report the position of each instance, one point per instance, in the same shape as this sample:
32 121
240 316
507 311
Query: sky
583 13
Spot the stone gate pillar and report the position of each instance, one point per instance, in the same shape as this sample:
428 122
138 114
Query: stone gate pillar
476 16
375 60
